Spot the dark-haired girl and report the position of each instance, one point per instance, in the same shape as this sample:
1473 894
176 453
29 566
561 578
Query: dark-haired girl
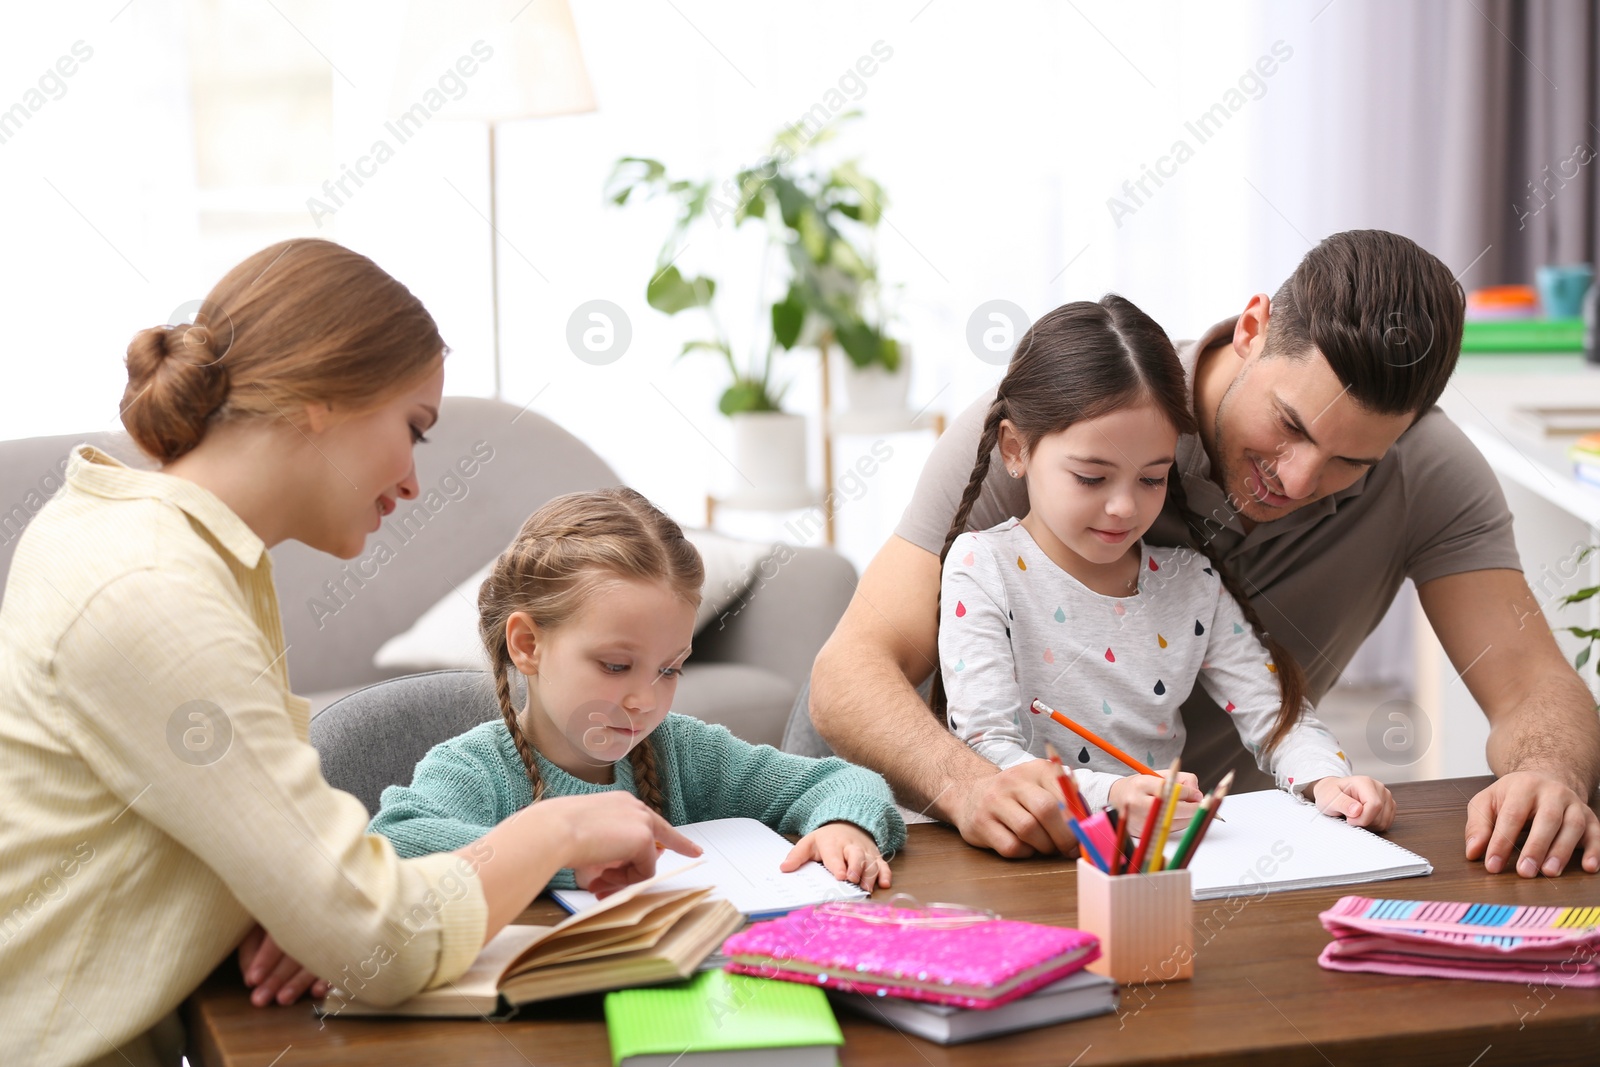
1068 605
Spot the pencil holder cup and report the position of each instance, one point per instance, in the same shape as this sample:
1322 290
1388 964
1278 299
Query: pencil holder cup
1144 923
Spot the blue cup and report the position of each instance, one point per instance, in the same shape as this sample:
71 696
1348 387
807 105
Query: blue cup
1561 289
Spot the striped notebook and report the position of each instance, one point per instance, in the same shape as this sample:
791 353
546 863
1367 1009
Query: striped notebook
1446 939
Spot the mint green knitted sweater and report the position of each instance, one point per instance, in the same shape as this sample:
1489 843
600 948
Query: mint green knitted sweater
466 786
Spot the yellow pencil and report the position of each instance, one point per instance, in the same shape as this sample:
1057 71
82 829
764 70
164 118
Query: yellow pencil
1157 849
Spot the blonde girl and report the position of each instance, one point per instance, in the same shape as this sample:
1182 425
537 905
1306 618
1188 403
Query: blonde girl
592 609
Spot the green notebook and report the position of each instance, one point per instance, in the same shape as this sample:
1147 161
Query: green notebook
719 1018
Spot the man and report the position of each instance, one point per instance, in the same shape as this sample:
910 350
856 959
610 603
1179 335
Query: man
1326 475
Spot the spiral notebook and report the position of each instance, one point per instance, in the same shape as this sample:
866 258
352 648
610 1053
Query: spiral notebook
1270 841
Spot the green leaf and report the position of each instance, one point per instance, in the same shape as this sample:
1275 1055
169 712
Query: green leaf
860 342
1580 595
788 316
1583 657
631 174
746 394
889 354
704 346
813 238
670 292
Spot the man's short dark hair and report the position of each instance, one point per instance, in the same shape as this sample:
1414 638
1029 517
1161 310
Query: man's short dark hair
1383 311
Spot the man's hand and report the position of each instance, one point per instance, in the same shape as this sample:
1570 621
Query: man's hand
1544 737
1557 820
1016 812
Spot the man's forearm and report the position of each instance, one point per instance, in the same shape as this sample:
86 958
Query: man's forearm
1554 731
871 715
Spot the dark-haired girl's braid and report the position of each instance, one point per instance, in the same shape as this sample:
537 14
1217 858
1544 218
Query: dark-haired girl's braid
645 779
1292 687
958 525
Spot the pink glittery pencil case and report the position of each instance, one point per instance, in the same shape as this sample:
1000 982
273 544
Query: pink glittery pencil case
939 954
1551 945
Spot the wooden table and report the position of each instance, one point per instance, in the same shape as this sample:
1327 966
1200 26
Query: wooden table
1257 997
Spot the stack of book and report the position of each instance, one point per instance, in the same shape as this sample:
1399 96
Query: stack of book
946 974
1585 454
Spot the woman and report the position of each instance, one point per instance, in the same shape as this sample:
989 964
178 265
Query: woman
161 796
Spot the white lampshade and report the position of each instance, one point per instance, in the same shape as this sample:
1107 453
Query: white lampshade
491 60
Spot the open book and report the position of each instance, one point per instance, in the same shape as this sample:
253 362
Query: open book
1272 841
740 865
641 935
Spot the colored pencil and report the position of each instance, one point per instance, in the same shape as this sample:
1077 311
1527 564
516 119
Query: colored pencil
1069 788
1183 856
1158 852
1202 815
1134 864
1087 846
1039 707
1120 863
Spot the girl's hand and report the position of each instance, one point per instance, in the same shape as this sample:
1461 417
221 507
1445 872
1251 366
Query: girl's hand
848 852
1361 800
1133 795
273 975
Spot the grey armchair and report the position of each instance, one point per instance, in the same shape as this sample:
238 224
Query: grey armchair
373 738
486 467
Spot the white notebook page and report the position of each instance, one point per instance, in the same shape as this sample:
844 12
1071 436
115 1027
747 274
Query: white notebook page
741 864
1271 841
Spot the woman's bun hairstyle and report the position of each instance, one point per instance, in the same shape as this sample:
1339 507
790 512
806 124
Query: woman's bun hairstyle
301 322
176 383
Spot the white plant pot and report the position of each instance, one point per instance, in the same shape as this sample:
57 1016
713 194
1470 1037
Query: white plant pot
769 449
875 389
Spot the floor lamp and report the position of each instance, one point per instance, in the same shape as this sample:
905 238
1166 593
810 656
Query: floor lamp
524 63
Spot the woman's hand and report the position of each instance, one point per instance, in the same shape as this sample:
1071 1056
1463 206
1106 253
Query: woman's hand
271 974
1133 795
848 852
614 839
1361 800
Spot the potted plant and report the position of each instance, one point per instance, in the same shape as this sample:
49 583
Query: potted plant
822 219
